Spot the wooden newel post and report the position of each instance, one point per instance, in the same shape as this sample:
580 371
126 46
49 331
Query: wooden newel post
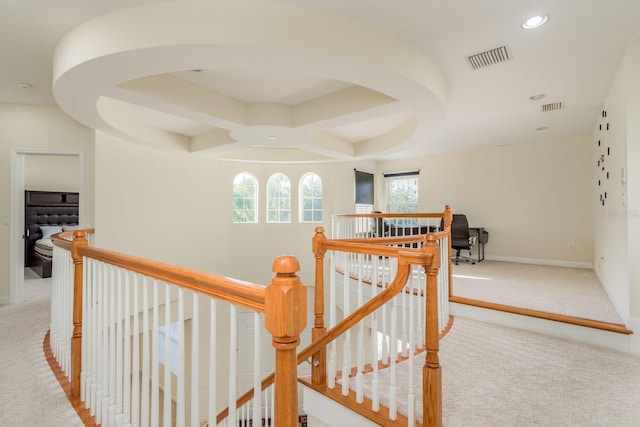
448 219
432 372
319 359
285 319
79 241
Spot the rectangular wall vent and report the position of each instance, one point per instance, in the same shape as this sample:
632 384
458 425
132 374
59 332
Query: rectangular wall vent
553 106
489 57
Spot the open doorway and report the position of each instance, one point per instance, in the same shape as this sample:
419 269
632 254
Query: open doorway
54 170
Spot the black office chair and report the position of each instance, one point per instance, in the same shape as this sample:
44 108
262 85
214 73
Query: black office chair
461 238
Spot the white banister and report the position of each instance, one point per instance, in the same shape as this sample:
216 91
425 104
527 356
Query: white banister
155 359
145 404
119 361
195 363
256 415
233 366
126 369
166 404
332 362
181 398
346 307
212 419
135 368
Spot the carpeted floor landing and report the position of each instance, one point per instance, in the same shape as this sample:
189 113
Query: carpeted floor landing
502 377
30 395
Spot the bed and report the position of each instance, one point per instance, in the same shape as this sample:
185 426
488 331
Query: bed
46 213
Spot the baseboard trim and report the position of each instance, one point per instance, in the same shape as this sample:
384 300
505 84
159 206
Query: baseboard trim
5 301
540 261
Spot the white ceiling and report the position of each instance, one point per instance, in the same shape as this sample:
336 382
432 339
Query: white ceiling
572 59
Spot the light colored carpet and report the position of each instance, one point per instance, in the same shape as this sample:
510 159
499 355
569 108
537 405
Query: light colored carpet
561 290
497 376
30 395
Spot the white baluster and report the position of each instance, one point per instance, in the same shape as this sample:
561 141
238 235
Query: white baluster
332 363
212 365
360 336
346 354
145 384
166 413
119 349
135 368
384 326
257 370
375 394
126 368
100 347
112 349
393 350
104 401
155 368
411 407
421 310
181 398
233 365
86 327
195 363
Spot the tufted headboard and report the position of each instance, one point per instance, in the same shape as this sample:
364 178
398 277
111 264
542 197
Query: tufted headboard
47 208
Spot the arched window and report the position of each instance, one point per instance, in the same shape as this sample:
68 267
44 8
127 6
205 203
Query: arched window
310 198
278 198
245 198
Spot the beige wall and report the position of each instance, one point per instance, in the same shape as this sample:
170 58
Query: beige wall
178 209
51 173
633 184
28 127
618 222
534 198
610 255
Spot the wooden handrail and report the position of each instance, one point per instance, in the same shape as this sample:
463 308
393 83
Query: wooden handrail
245 294
392 215
238 292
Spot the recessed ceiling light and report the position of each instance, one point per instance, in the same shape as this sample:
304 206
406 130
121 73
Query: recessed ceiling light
543 128
535 22
537 96
273 138
22 85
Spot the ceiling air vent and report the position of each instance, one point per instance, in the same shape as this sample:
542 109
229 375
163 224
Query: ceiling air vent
489 57
553 106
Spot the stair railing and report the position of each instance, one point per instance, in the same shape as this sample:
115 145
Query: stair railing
127 312
399 283
411 267
375 285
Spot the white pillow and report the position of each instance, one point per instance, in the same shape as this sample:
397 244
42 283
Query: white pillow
70 227
50 230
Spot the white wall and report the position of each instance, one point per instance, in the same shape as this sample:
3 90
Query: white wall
51 173
178 208
533 198
37 127
633 177
610 220
617 248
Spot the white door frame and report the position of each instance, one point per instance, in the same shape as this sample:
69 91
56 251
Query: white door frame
16 224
